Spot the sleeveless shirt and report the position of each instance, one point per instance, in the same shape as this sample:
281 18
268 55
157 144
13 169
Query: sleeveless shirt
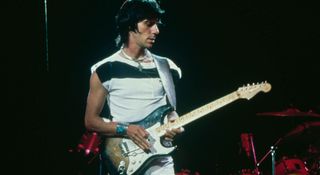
133 93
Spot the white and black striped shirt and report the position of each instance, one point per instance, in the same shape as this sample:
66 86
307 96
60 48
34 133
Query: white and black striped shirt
133 93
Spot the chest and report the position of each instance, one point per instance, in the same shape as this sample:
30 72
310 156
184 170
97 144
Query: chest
136 88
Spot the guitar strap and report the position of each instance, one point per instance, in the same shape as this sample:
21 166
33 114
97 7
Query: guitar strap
166 79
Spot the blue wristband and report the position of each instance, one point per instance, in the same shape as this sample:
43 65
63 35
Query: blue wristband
121 129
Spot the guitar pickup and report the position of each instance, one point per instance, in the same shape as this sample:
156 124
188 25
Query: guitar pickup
124 148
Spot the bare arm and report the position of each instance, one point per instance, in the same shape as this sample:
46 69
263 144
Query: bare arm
94 122
95 102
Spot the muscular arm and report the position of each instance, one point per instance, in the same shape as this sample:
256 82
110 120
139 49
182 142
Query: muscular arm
95 102
94 122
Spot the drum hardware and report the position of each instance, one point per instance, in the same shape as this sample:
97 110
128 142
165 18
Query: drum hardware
291 112
248 146
312 159
288 166
308 164
306 132
88 146
272 152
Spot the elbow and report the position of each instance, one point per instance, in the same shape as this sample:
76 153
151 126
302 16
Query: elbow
88 123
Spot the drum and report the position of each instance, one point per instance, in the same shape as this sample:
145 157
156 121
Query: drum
248 172
291 166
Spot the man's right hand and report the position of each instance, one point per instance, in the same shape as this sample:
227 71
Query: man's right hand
139 136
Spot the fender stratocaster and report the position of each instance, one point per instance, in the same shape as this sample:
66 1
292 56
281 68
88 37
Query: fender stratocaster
125 157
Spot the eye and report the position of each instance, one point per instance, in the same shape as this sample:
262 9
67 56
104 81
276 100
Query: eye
151 22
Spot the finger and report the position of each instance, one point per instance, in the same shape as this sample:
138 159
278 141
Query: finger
145 143
179 130
139 144
172 120
143 133
168 139
170 133
142 141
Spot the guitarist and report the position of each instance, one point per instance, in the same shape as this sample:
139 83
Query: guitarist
128 83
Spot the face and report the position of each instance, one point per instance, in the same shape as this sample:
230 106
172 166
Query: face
146 33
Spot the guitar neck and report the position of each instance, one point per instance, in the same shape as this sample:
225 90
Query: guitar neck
198 113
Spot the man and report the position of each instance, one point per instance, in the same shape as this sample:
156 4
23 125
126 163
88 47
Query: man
129 80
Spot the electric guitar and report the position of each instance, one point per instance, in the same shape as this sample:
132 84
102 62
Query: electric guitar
125 157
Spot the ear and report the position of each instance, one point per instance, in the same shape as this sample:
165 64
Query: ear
134 28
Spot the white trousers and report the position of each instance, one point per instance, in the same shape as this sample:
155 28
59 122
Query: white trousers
161 166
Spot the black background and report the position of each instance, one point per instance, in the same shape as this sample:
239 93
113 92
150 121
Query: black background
219 46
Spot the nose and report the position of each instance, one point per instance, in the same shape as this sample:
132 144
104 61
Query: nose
155 29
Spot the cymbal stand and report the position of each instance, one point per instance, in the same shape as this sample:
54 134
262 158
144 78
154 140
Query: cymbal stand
273 157
256 170
272 151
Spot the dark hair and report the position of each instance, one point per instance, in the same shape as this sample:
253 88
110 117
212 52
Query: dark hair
132 12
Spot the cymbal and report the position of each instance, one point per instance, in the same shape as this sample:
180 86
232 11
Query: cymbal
305 128
302 136
290 112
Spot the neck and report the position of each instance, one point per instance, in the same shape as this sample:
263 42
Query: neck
134 52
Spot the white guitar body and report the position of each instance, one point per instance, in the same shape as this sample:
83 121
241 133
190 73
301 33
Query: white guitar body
127 158
137 157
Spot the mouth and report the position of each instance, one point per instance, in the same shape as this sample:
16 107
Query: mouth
152 40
